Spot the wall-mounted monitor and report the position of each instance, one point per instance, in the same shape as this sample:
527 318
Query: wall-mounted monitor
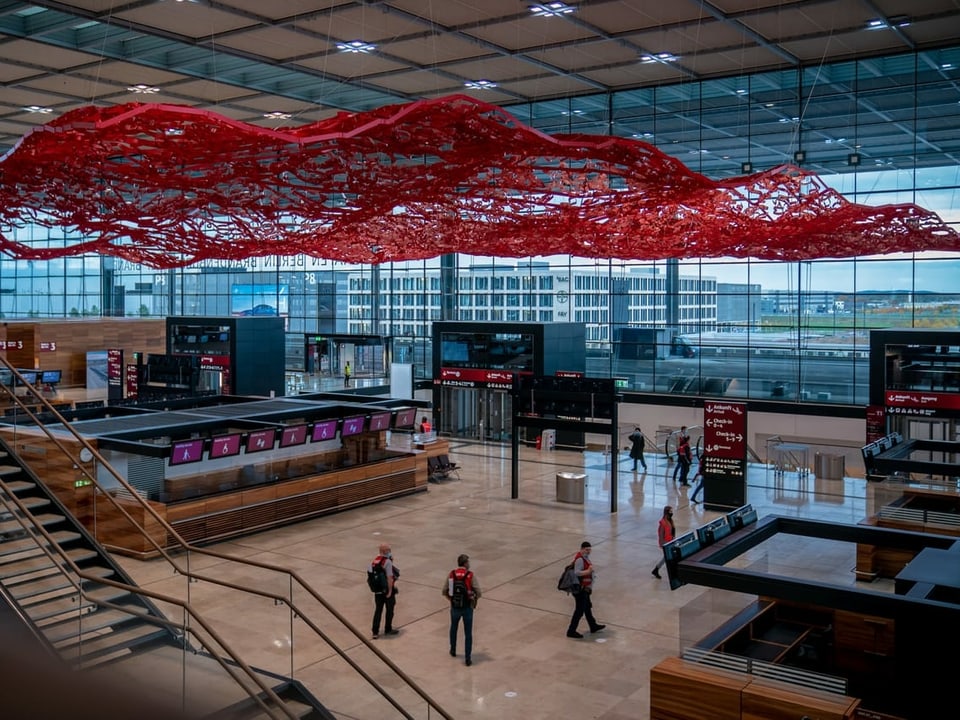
50 377
29 376
380 421
261 440
225 446
405 418
293 435
324 430
188 451
352 426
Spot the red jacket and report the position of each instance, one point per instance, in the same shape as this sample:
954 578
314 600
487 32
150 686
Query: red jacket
587 579
664 531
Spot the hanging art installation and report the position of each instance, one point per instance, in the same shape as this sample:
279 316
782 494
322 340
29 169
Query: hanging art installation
167 186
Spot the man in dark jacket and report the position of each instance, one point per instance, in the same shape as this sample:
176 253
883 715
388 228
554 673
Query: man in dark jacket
637 445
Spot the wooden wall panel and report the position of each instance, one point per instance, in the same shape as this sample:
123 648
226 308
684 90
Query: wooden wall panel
686 691
771 700
74 338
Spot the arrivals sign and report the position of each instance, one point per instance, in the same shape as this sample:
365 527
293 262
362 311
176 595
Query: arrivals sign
725 439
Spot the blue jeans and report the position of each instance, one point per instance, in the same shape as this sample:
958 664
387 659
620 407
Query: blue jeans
466 614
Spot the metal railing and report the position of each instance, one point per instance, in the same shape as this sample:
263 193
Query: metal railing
293 579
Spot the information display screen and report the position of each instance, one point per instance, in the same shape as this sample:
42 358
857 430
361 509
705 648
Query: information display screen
225 446
352 426
293 435
261 440
380 421
50 377
29 376
324 430
188 451
405 418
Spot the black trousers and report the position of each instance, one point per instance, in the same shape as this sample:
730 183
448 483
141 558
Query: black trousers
583 608
382 601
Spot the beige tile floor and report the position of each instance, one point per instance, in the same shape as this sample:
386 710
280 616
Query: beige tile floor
523 664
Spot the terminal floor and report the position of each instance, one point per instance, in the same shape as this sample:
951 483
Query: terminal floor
524 666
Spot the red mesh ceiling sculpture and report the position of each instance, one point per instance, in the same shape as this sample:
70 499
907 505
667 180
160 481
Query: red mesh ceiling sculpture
166 186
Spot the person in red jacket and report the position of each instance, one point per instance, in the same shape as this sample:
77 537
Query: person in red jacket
584 606
666 531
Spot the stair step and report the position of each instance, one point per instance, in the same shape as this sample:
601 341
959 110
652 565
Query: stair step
18 486
45 519
9 470
11 571
31 502
45 609
52 586
20 548
88 649
63 630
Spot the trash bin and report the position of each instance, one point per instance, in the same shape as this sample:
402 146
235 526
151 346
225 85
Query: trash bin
829 466
570 487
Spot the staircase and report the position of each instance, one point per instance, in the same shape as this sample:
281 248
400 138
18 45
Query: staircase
38 567
82 605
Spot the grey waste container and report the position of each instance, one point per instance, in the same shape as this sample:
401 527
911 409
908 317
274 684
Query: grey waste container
570 487
829 466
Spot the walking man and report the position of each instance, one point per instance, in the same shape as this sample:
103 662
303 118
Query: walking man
638 443
666 531
681 436
584 606
462 590
386 599
347 372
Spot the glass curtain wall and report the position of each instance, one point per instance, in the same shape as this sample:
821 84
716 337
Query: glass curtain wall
879 130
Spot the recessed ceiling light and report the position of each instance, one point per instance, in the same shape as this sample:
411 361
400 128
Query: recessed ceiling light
38 109
480 85
740 91
571 112
276 115
551 9
356 46
143 89
663 57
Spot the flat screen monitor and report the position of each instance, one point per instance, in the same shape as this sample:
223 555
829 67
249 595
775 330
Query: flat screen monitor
50 377
405 418
324 430
30 376
188 451
261 440
293 435
225 446
380 421
352 426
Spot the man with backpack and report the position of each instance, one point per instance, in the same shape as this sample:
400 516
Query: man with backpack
382 578
462 590
584 606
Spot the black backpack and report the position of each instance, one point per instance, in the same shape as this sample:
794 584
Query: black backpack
377 577
569 581
460 594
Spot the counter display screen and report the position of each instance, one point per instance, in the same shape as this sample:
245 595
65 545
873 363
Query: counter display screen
225 446
189 451
379 421
293 435
261 440
405 418
352 426
324 430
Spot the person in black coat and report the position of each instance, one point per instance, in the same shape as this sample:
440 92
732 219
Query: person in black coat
637 445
